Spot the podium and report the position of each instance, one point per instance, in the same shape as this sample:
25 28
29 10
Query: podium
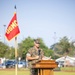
45 67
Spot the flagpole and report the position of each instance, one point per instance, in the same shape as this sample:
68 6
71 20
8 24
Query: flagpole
12 32
16 57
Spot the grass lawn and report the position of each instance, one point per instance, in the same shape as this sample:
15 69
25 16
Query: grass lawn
64 73
12 72
26 72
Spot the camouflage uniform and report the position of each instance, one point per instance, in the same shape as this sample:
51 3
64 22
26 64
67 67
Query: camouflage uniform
33 52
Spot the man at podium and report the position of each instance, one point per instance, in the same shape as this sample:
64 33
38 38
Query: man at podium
34 55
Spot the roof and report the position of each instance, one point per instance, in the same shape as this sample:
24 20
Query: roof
71 59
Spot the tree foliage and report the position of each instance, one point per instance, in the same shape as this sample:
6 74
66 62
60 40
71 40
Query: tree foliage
6 51
10 53
3 49
63 47
24 46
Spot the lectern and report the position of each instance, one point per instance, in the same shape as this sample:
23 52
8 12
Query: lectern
45 67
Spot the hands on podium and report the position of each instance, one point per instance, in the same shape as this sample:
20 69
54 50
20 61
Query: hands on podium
46 58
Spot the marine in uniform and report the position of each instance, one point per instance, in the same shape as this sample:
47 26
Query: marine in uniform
34 55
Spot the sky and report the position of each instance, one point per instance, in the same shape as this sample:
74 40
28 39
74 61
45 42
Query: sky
47 19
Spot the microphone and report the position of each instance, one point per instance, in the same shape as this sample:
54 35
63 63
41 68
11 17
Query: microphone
39 52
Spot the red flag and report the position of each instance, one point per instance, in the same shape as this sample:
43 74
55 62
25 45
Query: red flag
12 29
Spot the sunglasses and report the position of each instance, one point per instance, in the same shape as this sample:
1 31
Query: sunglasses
37 43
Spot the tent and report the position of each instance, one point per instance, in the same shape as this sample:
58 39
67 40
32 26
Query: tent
66 61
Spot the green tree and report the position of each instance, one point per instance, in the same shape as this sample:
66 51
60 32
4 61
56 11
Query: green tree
3 49
64 47
47 52
10 54
24 46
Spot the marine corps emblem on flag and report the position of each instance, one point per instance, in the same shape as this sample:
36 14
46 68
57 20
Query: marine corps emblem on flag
12 29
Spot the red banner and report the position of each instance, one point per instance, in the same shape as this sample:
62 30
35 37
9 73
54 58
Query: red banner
12 29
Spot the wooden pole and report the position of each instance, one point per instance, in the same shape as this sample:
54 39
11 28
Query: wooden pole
16 55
